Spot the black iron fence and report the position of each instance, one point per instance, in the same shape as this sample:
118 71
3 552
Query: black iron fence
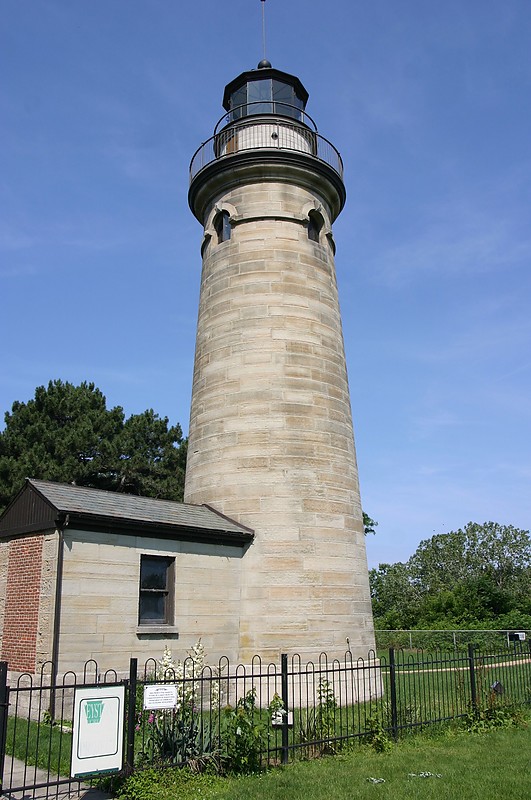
241 718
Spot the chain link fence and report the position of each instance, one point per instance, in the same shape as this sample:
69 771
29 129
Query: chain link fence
451 640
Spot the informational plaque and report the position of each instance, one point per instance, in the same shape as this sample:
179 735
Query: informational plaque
160 696
97 734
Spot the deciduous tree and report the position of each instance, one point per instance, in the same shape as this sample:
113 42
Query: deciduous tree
466 577
395 599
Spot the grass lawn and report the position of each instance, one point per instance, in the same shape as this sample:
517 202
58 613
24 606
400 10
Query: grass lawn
42 745
495 765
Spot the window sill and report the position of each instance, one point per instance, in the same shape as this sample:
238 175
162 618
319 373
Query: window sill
160 630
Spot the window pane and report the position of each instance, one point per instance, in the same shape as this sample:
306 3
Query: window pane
283 92
238 101
287 111
239 97
156 590
222 226
153 573
300 105
284 97
152 608
257 91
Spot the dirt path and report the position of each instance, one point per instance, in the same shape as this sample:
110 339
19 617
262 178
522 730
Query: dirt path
414 667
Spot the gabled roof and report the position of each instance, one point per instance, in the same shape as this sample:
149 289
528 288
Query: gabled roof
42 505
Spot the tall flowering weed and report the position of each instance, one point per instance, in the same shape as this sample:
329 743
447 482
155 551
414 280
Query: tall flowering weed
189 675
183 734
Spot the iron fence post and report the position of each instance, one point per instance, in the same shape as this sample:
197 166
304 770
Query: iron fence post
392 687
285 701
472 672
131 716
4 706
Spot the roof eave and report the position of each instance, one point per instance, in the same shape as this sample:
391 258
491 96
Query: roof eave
158 529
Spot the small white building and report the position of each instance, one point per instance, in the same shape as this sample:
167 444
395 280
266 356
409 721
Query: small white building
89 574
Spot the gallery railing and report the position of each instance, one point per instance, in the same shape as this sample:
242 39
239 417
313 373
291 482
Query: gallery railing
265 133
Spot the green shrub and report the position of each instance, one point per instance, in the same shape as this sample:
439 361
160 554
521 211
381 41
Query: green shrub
319 725
243 736
376 736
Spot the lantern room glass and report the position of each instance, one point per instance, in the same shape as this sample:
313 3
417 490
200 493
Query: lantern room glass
266 96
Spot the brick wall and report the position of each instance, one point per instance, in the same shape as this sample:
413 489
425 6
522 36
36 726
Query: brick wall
21 618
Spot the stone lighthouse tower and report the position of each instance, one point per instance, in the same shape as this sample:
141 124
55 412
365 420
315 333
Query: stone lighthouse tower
271 440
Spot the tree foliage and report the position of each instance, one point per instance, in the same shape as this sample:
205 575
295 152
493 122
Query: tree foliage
394 598
369 525
469 577
66 433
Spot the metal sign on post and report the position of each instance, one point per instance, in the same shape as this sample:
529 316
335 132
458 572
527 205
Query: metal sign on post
97 735
282 717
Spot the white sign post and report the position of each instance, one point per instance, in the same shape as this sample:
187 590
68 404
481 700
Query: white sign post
97 734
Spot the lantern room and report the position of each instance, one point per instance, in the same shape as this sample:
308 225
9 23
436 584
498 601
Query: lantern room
265 91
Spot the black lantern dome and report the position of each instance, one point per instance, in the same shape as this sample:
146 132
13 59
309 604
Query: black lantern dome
265 91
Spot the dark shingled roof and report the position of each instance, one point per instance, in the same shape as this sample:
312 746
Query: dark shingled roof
95 508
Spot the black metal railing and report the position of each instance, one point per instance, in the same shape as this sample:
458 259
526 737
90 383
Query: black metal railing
261 107
262 713
265 133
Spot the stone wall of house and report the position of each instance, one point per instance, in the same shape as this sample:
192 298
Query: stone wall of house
45 630
100 600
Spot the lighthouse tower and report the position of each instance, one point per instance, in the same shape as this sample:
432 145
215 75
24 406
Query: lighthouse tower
271 440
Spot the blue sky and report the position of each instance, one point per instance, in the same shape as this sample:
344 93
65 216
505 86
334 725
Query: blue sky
104 103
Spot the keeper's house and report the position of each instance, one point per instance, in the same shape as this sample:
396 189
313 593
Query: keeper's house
88 574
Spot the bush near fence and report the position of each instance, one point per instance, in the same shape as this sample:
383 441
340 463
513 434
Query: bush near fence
234 718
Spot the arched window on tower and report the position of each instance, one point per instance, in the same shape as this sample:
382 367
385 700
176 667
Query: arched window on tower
222 226
315 224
